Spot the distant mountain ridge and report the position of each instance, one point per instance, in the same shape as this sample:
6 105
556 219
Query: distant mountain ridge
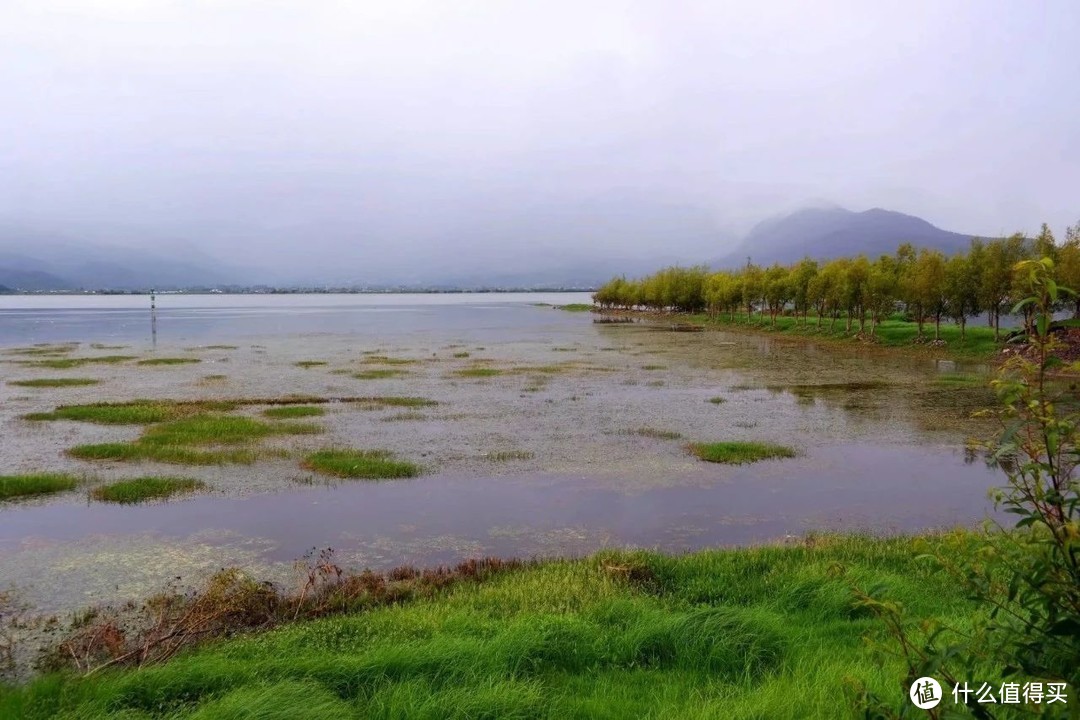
826 233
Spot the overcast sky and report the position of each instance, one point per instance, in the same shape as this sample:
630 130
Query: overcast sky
284 131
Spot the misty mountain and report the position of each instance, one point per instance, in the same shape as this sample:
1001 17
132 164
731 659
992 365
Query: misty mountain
35 261
825 233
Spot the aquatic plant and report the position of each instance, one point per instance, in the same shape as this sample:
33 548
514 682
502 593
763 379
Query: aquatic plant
362 464
169 361
54 382
739 453
145 488
12 486
293 411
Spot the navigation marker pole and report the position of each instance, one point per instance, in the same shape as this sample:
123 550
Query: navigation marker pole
153 317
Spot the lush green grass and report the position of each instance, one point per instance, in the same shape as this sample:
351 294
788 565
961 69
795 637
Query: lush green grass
717 400
12 486
363 464
135 412
575 307
169 361
145 488
894 333
293 411
379 374
310 363
767 632
739 453
195 440
54 382
68 363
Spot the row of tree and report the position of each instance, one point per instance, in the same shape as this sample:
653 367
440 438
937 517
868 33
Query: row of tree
923 283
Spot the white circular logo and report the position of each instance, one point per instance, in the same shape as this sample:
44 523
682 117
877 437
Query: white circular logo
925 693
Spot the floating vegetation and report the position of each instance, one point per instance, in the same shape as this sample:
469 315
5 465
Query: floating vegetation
379 374
405 417
102 346
360 464
145 488
717 400
507 455
387 360
182 441
478 372
652 433
306 364
44 350
68 363
214 378
134 412
214 347
461 355
13 486
141 412
54 382
575 307
654 367
739 453
293 411
169 361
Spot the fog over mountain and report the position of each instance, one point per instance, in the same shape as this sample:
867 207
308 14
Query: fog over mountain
424 142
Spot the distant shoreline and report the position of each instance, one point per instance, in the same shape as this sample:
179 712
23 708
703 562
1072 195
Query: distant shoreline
299 291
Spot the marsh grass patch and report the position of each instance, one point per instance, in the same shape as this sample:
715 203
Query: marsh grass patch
716 400
308 364
196 440
654 433
739 453
141 489
461 355
45 350
212 347
387 360
54 382
405 417
379 374
293 411
359 464
68 362
478 372
30 484
508 455
654 367
169 361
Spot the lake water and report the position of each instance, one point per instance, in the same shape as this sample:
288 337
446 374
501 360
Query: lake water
880 442
180 318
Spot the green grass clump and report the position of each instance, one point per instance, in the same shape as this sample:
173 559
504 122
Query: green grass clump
460 355
293 411
654 367
363 464
54 382
135 412
575 307
68 363
310 363
13 486
717 400
195 440
764 632
386 360
145 488
43 350
739 453
169 361
379 374
478 372
653 433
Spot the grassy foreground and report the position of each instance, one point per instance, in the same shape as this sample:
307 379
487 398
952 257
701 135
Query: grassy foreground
756 633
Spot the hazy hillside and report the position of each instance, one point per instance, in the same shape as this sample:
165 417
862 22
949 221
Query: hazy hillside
823 233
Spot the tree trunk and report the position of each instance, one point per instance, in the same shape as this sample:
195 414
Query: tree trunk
997 324
963 328
937 327
849 322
